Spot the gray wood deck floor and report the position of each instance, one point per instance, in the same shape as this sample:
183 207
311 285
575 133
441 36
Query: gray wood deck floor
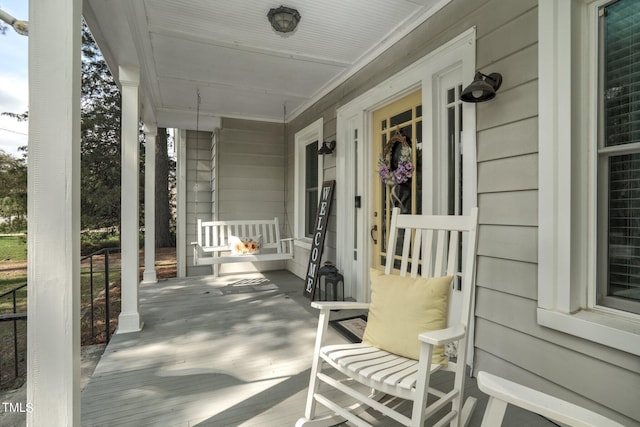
228 351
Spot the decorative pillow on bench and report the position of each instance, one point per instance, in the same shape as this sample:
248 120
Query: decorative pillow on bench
403 307
245 245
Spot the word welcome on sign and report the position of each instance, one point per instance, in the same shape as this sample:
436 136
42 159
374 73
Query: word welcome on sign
317 243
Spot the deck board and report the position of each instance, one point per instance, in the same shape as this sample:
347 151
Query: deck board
217 352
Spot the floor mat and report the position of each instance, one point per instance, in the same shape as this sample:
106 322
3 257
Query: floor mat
351 328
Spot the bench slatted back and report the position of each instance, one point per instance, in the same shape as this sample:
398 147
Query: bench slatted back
216 234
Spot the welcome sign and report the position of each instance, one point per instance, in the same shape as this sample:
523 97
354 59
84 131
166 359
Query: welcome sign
317 243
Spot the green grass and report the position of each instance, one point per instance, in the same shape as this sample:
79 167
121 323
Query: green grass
13 248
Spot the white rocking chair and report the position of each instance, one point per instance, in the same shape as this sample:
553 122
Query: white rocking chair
430 248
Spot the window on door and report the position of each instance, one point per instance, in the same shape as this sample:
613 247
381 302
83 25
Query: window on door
397 158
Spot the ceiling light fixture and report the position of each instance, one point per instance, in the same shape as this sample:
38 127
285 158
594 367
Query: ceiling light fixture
284 19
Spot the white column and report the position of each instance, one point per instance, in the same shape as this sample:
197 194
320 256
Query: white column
149 275
129 320
53 342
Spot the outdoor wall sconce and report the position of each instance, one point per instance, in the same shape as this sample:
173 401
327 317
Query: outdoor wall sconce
483 88
327 148
284 19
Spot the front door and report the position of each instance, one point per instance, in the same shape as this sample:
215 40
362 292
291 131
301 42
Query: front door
397 167
434 177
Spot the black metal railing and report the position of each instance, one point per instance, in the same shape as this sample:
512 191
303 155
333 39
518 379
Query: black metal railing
14 340
95 270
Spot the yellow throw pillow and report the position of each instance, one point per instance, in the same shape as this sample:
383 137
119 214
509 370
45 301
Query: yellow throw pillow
402 308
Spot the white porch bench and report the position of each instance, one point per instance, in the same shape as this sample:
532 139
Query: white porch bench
213 246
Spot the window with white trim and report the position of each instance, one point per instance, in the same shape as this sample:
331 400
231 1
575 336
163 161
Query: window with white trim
589 158
618 163
308 174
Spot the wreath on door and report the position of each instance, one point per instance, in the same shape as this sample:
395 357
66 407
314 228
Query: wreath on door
395 166
396 170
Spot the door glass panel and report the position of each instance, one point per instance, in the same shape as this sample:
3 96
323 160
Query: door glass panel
398 167
451 96
418 175
401 118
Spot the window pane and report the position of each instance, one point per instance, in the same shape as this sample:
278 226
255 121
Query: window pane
401 118
619 172
418 174
624 226
621 72
311 208
311 165
451 95
451 158
311 187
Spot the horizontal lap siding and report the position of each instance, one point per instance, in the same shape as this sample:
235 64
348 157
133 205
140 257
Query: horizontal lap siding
507 147
251 163
509 341
198 200
251 178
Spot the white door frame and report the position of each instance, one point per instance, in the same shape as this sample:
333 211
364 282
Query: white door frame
353 167
356 116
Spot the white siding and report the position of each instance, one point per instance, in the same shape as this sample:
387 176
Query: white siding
199 194
251 163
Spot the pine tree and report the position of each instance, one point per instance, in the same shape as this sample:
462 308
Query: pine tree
13 193
100 130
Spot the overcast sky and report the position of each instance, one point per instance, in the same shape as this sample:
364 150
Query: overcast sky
14 86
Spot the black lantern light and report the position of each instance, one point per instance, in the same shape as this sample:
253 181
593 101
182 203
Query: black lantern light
284 19
483 88
327 147
330 283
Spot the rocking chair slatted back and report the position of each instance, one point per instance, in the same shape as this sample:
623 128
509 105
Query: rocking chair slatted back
434 251
428 246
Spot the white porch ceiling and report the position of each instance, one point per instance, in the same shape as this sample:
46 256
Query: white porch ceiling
228 51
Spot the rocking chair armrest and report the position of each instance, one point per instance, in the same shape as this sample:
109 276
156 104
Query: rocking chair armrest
340 305
443 336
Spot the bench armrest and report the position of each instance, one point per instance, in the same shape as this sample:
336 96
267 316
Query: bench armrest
443 336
